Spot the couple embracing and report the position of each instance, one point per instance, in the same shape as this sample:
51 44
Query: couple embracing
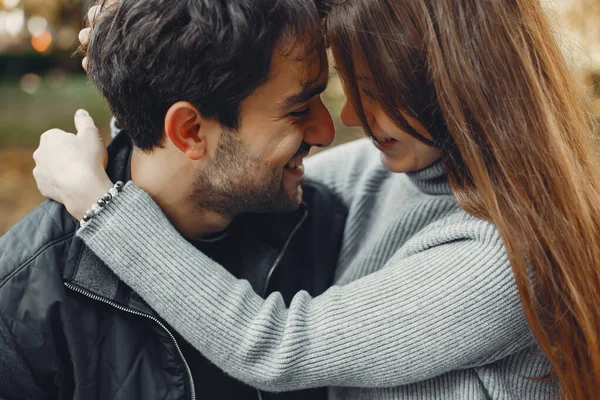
454 254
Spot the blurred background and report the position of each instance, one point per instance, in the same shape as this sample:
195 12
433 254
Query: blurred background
42 82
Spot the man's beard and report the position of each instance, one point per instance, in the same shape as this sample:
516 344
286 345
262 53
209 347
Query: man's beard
238 181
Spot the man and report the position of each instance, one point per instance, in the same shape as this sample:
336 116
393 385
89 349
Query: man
219 104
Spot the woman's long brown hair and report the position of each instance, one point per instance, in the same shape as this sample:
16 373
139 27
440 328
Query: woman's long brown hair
490 84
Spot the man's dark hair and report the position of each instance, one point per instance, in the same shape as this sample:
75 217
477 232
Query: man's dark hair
145 55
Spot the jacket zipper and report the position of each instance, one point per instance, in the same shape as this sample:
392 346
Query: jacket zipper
276 264
281 254
150 317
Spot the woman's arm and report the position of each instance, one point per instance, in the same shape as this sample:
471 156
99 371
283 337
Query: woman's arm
344 167
449 307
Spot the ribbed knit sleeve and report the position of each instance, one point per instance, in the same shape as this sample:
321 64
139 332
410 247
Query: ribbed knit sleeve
343 168
446 301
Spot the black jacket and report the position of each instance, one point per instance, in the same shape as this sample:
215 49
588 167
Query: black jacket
70 329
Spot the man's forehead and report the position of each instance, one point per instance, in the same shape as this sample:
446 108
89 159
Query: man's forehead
292 76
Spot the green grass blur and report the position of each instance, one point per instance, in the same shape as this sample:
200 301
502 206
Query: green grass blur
24 116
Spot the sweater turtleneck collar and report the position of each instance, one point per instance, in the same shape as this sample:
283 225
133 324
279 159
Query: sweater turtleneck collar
432 179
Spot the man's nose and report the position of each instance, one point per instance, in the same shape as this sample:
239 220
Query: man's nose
321 131
348 115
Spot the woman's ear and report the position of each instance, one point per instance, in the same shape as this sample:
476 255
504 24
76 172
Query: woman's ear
184 128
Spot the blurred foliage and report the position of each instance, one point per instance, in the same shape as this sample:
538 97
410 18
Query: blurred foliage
25 116
13 66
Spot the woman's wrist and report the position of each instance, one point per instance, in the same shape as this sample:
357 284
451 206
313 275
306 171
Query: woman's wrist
91 190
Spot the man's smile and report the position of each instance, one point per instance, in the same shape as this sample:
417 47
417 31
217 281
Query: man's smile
296 165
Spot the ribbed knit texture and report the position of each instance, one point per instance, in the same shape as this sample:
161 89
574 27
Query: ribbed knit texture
425 306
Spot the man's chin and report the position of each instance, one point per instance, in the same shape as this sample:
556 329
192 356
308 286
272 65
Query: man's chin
292 200
298 197
286 202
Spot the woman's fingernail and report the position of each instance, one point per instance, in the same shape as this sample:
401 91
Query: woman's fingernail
82 113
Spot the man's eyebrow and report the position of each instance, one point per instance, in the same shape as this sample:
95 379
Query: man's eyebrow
307 93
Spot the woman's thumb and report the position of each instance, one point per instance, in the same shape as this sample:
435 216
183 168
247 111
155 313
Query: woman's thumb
89 133
86 128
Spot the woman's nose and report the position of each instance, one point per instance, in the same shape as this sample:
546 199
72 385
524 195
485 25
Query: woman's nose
348 115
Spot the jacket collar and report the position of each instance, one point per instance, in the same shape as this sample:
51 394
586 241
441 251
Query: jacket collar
84 269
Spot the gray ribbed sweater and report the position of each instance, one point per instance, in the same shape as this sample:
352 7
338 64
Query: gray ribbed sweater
425 305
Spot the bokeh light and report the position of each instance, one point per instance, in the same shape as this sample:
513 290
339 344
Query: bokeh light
37 25
30 83
41 42
66 38
57 78
10 4
14 22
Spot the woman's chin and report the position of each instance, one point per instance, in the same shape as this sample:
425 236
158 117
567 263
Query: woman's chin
405 162
397 163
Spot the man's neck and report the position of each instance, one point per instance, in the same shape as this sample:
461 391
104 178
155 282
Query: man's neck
172 193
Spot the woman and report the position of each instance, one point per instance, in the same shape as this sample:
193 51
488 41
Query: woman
481 228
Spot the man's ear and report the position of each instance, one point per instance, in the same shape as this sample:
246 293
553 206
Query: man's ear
184 127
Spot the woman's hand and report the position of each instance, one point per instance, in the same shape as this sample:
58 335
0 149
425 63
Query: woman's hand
94 13
70 168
